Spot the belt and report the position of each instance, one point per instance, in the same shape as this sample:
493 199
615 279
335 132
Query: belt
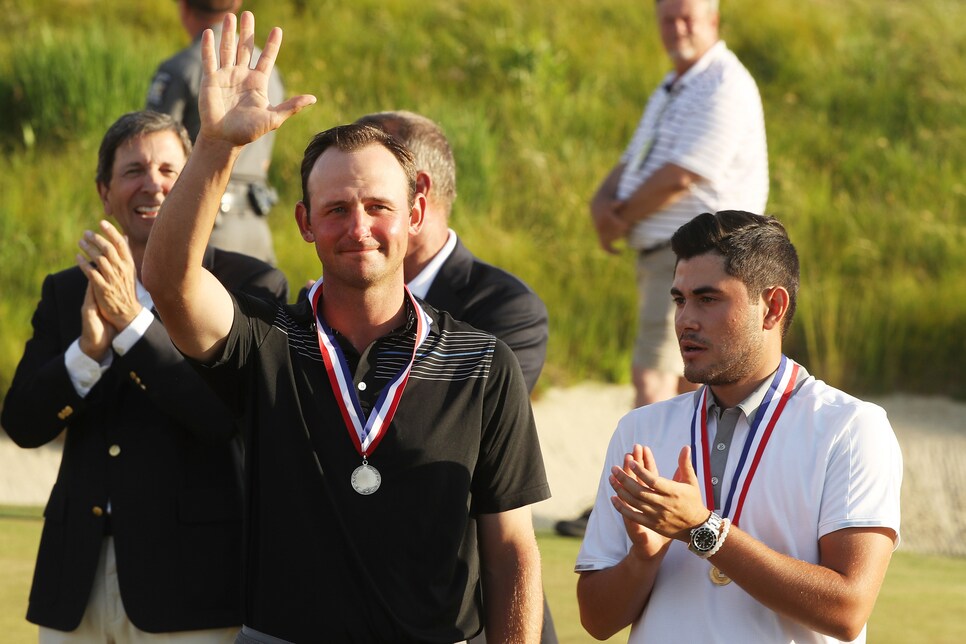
653 249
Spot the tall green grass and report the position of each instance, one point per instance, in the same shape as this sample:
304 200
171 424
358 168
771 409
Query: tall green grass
863 102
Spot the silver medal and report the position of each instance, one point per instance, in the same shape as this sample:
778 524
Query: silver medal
366 479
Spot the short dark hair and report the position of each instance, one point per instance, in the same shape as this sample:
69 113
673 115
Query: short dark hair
352 137
131 126
756 250
429 145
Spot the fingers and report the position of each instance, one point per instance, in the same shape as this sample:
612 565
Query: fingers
270 51
685 472
117 240
209 64
226 50
246 40
293 106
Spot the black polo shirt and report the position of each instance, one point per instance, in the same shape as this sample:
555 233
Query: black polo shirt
401 564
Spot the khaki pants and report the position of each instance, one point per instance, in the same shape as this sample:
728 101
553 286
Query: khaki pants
106 622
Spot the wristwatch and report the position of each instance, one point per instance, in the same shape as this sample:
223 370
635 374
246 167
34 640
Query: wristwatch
705 536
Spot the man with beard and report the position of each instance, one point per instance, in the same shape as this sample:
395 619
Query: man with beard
782 513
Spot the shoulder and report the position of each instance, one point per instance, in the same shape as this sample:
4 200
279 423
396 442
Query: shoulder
832 410
70 280
242 272
662 423
726 73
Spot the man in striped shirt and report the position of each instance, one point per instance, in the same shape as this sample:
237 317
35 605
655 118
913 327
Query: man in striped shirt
699 147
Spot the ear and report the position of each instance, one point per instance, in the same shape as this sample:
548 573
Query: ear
417 213
775 301
302 219
102 191
424 183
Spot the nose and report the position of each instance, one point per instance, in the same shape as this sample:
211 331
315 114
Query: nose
684 318
155 182
359 223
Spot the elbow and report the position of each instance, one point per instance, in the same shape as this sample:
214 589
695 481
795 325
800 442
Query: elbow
591 618
846 630
596 631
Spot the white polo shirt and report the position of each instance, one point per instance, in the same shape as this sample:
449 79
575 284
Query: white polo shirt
832 462
709 121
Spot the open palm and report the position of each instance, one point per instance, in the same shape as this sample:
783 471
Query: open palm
233 101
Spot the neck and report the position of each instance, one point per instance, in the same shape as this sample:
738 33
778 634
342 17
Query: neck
363 316
731 394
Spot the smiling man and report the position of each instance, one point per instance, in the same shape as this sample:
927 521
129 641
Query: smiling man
141 538
392 454
782 512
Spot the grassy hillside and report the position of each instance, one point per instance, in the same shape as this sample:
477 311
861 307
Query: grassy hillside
864 105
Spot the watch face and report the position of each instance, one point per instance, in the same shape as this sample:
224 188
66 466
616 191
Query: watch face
704 539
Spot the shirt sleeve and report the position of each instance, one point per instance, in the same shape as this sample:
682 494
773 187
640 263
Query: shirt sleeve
864 475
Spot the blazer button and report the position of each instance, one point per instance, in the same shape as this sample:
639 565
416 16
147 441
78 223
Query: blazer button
64 413
97 511
114 450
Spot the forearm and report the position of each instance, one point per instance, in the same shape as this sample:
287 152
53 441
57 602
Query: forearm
195 307
665 186
510 575
513 598
834 598
606 194
613 598
186 218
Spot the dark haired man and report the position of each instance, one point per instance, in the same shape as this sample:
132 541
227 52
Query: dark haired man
141 538
241 224
782 513
365 410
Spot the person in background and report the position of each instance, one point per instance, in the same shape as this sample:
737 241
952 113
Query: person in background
699 146
242 223
442 271
763 507
142 532
392 454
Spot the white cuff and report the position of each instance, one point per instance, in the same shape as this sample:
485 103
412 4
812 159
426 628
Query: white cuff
133 332
84 372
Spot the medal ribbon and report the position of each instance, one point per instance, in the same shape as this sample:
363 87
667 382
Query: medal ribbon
365 435
779 392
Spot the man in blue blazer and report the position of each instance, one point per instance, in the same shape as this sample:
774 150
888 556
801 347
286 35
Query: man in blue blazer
142 533
443 272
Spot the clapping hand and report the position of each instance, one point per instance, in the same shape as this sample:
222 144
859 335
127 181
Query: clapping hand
668 507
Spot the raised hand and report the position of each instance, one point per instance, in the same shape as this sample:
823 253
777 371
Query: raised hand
233 101
670 507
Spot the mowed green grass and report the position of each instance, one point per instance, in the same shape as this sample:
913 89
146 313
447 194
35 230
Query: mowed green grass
922 600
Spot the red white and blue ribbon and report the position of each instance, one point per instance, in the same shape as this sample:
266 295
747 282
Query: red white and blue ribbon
779 392
365 433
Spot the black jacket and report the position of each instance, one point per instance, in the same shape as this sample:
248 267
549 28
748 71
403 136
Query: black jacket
153 441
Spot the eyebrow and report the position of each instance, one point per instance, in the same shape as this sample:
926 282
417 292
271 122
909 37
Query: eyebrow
701 290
